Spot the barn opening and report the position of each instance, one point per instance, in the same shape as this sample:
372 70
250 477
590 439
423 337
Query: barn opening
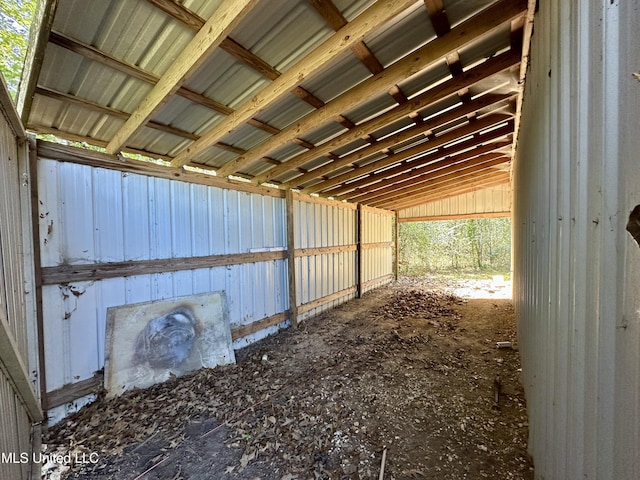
288 139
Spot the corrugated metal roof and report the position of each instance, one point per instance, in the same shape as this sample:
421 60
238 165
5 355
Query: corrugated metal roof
281 67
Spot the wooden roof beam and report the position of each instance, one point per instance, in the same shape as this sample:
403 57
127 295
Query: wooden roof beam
451 180
376 15
108 60
209 37
407 170
481 24
443 168
328 10
449 191
423 127
451 136
233 48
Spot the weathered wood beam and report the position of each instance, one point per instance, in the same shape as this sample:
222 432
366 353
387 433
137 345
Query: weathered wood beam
387 179
96 107
362 131
328 10
82 156
108 60
457 216
481 24
438 171
100 271
423 128
393 158
441 188
291 260
208 38
368 21
448 192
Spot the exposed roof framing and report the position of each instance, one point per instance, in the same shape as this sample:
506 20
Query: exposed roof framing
384 103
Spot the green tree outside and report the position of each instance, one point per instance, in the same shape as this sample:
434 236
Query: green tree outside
477 245
15 19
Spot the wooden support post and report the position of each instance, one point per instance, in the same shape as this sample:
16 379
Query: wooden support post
396 245
359 241
291 249
37 266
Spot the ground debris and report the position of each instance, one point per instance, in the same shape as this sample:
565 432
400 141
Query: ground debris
409 368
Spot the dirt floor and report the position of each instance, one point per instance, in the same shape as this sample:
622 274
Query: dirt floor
410 373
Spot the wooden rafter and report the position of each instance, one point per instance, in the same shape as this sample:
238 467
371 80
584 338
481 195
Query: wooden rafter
108 60
441 171
468 31
418 150
365 23
328 10
479 183
407 170
448 182
209 37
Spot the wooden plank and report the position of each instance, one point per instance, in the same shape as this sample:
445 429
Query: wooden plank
82 156
180 13
361 131
103 58
481 24
374 245
291 263
394 158
396 243
408 169
208 38
72 391
359 256
37 45
433 171
372 18
99 271
306 307
438 178
8 112
323 201
310 252
377 211
37 265
457 216
258 325
96 107
448 189
16 370
381 280
415 132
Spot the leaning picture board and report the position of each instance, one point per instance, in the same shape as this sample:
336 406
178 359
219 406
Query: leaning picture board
148 342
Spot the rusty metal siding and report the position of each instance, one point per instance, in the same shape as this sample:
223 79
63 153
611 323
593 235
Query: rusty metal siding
576 269
486 202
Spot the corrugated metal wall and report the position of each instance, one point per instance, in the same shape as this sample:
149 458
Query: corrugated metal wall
577 270
488 202
377 248
323 269
19 406
94 215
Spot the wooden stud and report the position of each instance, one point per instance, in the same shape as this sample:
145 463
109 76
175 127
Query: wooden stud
209 37
365 23
291 260
484 22
396 245
359 255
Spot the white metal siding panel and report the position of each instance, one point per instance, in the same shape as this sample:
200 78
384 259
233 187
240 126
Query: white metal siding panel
486 201
92 215
576 268
377 262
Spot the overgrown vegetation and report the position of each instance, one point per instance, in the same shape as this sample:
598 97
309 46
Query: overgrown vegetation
15 19
476 245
